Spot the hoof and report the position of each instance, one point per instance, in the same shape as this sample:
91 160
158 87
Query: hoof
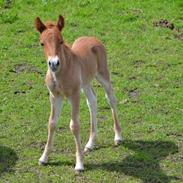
41 163
87 150
79 171
79 168
117 142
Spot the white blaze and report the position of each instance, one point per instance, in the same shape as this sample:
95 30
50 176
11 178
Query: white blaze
53 60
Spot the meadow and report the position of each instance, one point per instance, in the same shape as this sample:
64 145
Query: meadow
144 41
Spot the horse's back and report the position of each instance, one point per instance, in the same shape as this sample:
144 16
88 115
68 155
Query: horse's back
92 54
86 42
83 46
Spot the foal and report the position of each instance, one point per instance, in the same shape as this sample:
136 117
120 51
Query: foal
69 71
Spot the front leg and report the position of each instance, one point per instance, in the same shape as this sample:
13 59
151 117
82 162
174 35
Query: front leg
55 111
75 129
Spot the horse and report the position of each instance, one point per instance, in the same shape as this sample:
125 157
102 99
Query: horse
70 70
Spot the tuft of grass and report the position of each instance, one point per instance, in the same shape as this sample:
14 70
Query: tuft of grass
146 70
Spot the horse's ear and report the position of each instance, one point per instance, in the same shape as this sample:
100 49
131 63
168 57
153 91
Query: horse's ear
39 25
60 23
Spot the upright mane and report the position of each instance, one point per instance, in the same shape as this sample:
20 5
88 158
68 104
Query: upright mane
50 24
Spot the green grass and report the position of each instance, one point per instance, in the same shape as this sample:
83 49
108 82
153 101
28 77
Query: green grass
146 65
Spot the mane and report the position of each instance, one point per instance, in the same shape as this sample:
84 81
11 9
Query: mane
50 24
68 45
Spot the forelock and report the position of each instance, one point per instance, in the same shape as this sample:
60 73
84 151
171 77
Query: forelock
50 25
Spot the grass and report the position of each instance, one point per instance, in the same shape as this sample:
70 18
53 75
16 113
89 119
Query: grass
146 69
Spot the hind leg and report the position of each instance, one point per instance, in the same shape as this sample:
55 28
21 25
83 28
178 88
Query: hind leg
105 82
92 104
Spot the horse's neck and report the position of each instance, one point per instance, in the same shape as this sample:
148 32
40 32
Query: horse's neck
68 56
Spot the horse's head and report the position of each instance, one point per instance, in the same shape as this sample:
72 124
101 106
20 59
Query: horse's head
52 41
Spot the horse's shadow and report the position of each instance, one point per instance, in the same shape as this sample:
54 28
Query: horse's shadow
144 164
8 158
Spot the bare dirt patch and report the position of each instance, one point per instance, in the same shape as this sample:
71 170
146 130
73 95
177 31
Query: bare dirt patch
27 86
133 93
164 23
132 78
179 36
19 68
38 145
115 73
138 63
61 129
19 92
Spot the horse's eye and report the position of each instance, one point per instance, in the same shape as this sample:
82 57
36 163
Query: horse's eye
61 42
42 44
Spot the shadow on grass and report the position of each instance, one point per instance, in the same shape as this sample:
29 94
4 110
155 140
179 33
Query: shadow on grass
59 163
144 164
8 158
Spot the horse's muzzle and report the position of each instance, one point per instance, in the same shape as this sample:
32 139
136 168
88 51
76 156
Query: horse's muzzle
53 63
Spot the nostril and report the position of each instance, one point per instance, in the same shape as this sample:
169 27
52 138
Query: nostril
58 63
49 63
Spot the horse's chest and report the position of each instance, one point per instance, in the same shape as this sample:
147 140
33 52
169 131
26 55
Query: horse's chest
55 87
59 89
